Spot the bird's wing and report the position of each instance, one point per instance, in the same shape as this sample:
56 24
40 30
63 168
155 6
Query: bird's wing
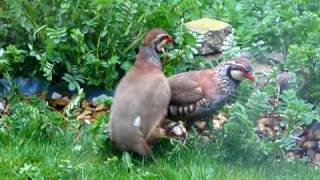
185 88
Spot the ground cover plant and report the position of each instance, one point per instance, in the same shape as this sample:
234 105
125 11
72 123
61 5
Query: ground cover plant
93 43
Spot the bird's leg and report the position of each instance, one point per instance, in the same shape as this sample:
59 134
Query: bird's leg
175 129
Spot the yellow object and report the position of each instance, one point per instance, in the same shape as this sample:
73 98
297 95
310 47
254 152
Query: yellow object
206 24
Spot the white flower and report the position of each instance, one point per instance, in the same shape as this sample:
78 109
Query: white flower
77 148
25 168
1 52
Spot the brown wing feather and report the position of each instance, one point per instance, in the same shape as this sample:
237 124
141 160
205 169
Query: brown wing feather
191 91
185 88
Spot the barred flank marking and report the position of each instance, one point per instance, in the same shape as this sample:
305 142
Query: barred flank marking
180 109
173 110
183 110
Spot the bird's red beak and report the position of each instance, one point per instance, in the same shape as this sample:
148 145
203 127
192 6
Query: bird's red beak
249 75
169 38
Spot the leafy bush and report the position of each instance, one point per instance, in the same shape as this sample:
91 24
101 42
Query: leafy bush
34 120
81 42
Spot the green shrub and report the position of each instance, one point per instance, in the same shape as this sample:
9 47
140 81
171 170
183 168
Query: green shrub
82 42
31 121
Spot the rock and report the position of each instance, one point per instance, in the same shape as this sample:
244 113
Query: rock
200 124
176 129
86 112
275 57
313 131
56 95
269 133
269 125
100 107
218 121
206 133
261 79
217 125
261 68
204 139
297 132
292 155
221 117
3 105
316 159
267 122
309 144
211 33
85 103
62 102
283 78
77 112
89 108
97 114
87 121
301 141
311 153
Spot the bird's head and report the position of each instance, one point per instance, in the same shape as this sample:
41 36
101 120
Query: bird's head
240 69
157 38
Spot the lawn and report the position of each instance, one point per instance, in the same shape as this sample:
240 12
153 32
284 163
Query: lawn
69 158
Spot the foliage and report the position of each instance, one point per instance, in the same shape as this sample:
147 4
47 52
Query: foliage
82 42
238 136
34 120
94 43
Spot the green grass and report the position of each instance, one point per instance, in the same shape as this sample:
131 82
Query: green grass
60 158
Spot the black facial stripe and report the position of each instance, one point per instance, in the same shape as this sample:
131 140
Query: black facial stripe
160 38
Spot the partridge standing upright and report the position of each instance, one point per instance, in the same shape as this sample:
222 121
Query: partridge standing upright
141 98
197 94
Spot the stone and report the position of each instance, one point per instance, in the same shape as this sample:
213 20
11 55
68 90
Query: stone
217 125
277 57
176 129
62 102
86 112
85 103
261 79
316 159
97 114
56 95
268 122
3 105
221 117
292 155
313 131
309 144
297 132
204 139
206 133
200 124
283 79
100 107
211 34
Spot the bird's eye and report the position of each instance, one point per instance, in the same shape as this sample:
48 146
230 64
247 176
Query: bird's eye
242 69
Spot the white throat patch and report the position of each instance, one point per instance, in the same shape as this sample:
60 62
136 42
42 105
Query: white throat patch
137 122
237 75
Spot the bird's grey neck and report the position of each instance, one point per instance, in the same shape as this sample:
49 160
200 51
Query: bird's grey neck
227 84
150 54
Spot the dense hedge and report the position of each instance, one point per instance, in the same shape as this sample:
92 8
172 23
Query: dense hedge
94 42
